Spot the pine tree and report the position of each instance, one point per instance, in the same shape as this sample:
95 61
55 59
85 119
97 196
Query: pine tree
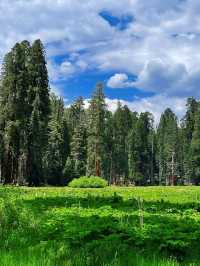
140 150
122 122
58 142
78 141
168 148
96 133
24 119
34 146
132 155
13 109
109 147
1 154
39 113
78 150
195 150
76 114
189 118
186 132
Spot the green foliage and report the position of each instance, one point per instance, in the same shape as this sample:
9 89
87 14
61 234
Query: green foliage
168 148
122 124
60 255
88 182
58 143
24 111
66 226
195 149
78 154
39 116
96 133
140 149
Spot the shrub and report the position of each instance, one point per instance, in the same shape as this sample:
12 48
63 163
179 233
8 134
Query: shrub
88 182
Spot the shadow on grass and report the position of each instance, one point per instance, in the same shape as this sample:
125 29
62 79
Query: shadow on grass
40 204
165 235
92 221
84 221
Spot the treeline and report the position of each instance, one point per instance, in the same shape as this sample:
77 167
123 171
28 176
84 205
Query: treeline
43 142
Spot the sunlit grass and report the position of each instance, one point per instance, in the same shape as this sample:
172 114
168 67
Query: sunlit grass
66 226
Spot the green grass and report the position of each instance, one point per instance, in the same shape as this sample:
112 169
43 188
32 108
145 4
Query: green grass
104 226
38 259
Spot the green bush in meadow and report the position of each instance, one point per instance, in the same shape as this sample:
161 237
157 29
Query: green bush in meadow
88 182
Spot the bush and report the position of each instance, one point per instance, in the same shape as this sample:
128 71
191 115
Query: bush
88 182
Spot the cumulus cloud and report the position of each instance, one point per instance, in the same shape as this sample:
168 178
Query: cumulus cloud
55 90
65 69
155 105
161 77
119 80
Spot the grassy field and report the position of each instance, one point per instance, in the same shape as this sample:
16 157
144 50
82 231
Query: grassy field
110 226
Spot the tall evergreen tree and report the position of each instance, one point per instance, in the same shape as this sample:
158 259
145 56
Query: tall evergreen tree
140 150
109 147
122 122
195 150
39 113
186 132
13 109
76 163
96 133
168 148
58 143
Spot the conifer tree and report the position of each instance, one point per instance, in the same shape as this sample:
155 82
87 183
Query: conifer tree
78 150
96 133
195 150
76 162
34 146
1 154
58 142
168 148
13 110
122 122
186 132
109 148
140 150
39 113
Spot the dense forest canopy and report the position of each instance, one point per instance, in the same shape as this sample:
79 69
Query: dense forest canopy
44 142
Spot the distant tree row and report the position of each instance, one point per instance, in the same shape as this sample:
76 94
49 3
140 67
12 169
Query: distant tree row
43 142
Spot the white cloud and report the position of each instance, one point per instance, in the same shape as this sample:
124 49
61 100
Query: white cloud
158 75
56 90
119 80
66 69
155 105
161 77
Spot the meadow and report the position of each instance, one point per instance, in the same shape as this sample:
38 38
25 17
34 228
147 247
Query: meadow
116 226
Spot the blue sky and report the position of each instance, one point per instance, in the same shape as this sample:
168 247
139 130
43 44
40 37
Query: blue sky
145 52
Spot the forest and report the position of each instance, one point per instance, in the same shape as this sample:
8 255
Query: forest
42 141
49 218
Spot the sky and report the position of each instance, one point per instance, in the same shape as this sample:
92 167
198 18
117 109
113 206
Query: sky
146 52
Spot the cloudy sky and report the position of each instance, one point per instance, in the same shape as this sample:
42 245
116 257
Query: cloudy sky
147 52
